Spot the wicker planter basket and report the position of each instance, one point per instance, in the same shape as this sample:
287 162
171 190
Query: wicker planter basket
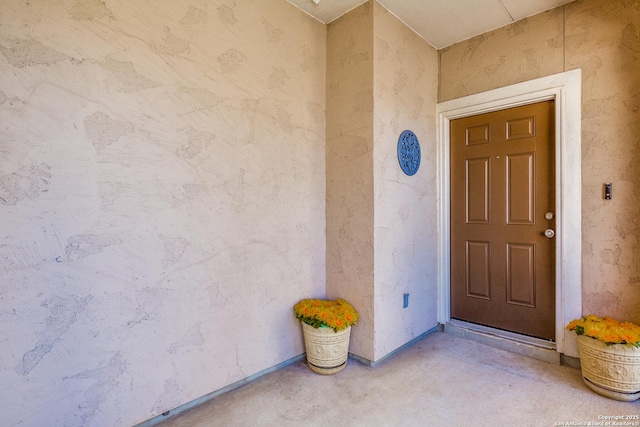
327 351
612 371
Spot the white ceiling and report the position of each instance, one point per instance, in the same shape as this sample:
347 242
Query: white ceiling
440 22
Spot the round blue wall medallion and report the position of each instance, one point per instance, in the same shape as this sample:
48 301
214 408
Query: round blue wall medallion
409 152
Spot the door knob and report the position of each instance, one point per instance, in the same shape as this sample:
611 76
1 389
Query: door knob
549 233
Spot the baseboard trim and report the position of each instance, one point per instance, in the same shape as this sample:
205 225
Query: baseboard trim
210 396
408 344
572 362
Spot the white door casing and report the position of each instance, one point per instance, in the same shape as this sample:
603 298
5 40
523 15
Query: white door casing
565 89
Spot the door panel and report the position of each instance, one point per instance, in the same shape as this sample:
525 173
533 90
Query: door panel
502 184
478 134
478 265
478 191
521 281
521 171
522 127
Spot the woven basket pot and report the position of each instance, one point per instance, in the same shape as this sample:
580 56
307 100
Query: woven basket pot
327 351
610 370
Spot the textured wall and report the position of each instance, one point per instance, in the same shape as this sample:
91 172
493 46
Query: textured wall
162 187
602 37
405 230
350 264
381 79
525 50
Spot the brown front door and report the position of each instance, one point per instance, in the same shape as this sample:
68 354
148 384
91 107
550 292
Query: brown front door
502 194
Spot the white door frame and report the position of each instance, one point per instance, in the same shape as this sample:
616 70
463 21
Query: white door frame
565 89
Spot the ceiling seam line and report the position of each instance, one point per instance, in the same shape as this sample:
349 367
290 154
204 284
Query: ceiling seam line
506 11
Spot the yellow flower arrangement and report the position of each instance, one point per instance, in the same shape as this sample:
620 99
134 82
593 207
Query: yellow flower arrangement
607 330
336 314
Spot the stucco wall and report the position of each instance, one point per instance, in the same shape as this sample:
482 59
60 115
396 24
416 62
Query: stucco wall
381 229
350 263
525 50
405 229
602 38
162 201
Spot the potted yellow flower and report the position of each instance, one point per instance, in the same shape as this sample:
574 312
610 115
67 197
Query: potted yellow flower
609 356
326 325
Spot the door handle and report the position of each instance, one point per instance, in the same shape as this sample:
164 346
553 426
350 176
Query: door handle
549 233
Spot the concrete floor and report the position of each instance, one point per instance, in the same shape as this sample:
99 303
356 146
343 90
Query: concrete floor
440 380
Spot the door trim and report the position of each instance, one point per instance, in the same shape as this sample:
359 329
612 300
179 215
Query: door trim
565 89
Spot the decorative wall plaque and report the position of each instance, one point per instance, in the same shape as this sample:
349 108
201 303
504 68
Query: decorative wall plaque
409 152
